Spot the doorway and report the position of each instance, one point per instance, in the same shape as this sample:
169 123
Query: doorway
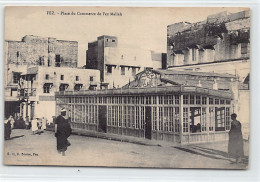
102 117
148 126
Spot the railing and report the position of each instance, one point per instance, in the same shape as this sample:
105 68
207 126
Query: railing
27 92
152 90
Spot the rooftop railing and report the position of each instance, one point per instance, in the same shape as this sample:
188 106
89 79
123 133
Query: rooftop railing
150 91
27 92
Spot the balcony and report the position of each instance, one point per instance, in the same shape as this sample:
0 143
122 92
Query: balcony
27 92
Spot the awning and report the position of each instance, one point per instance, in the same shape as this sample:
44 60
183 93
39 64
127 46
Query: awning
48 84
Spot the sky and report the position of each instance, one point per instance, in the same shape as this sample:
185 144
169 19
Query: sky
144 28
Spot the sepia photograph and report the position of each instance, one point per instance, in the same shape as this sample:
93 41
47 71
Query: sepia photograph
138 87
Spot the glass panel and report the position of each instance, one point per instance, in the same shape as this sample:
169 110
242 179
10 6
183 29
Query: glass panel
185 120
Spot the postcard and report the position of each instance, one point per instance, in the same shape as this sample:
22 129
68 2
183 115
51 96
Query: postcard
143 87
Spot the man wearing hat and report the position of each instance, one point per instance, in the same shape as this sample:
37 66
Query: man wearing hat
62 132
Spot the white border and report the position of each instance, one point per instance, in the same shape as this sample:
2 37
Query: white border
27 173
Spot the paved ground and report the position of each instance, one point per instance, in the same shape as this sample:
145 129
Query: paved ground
25 148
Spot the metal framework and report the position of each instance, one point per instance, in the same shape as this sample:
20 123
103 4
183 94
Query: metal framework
180 114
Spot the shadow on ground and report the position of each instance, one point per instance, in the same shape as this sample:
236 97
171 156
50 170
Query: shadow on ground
210 153
16 137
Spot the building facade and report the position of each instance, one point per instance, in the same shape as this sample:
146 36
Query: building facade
220 38
27 62
35 50
158 106
38 86
220 44
116 62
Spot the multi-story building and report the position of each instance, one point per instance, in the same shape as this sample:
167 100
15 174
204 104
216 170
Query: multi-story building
38 85
219 44
35 50
118 65
35 68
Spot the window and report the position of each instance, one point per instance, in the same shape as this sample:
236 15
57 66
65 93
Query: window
211 118
192 99
58 61
133 71
166 119
216 101
16 77
137 120
193 54
154 99
204 100
122 56
227 118
176 117
211 101
46 88
113 40
185 120
142 117
220 119
63 87
160 127
109 69
77 78
228 102
77 87
120 116
243 48
122 70
165 99
154 118
177 99
198 100
47 77
185 99
170 118
203 119
61 77
148 100
91 78
160 99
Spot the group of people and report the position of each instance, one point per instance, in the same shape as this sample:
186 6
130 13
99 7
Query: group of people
63 131
38 125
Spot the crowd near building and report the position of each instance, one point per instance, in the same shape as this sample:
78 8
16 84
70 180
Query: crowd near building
185 95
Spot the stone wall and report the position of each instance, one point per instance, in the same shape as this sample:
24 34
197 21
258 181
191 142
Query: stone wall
220 37
34 50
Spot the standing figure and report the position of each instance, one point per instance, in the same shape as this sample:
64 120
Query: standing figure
27 123
62 132
8 129
44 123
235 144
12 121
34 125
